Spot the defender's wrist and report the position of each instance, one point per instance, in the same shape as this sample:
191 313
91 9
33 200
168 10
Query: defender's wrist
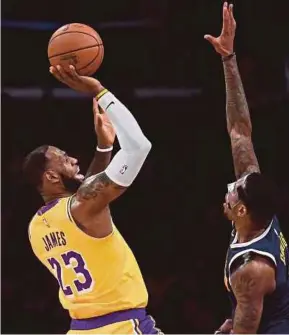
229 57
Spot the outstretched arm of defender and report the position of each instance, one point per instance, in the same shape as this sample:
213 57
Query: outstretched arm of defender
237 111
239 122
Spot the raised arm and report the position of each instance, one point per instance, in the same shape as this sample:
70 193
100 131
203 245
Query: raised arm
97 191
238 121
237 111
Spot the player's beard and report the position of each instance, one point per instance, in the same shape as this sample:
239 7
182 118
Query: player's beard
71 184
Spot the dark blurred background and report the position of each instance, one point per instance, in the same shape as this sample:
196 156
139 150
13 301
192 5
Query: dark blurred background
158 64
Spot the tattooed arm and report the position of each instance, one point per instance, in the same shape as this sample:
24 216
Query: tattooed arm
238 121
89 206
97 191
250 283
238 117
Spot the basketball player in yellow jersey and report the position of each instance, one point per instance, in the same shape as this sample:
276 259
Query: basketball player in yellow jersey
73 234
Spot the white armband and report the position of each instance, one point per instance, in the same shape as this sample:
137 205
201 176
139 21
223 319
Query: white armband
125 166
104 150
135 147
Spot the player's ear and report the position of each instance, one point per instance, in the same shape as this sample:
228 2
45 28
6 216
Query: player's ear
51 176
242 211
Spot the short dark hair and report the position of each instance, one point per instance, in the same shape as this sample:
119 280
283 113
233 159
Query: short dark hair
34 166
260 197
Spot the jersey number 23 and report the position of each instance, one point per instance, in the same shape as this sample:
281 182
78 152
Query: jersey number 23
83 282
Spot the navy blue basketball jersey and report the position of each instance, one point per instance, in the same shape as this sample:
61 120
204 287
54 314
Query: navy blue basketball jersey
272 245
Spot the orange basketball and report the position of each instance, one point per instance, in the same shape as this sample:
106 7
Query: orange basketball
76 44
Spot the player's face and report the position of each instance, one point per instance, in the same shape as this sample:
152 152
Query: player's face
65 169
230 204
234 209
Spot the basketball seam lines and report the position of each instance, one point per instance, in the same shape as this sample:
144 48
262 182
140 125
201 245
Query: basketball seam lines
70 51
90 61
70 32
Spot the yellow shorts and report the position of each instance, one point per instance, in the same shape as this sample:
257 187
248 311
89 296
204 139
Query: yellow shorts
134 321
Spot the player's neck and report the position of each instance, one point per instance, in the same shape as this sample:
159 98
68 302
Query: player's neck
48 198
246 232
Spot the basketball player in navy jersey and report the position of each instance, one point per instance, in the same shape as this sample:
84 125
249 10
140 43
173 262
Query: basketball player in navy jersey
256 269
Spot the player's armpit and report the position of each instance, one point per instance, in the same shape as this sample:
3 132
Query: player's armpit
244 157
250 283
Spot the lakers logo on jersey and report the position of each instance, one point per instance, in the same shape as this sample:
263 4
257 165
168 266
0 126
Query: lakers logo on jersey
45 222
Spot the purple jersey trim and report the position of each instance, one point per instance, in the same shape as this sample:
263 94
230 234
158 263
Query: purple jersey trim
104 320
47 207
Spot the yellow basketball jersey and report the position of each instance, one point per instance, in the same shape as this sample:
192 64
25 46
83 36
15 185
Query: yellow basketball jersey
96 276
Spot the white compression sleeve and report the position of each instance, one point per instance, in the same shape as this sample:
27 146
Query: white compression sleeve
135 147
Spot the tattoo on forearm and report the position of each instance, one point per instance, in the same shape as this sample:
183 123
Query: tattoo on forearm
248 312
244 157
237 108
94 185
246 319
238 121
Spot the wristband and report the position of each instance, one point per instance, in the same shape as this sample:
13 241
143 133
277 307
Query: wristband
104 150
100 94
225 58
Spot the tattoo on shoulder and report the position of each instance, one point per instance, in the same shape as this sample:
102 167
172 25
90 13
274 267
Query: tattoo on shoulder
95 185
244 283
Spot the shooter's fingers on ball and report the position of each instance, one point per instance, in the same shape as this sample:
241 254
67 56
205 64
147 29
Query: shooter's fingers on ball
73 73
53 70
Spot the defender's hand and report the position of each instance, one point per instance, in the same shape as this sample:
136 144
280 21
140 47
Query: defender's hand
103 127
70 78
224 44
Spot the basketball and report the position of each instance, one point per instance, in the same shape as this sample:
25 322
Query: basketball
76 44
